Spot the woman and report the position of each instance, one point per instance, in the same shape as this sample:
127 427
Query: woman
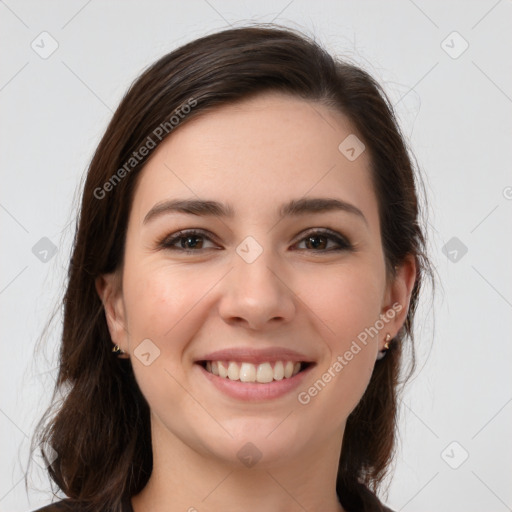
244 276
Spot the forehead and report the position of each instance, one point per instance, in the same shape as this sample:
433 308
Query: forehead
255 154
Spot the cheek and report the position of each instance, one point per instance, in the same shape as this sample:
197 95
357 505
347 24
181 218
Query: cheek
159 301
161 304
346 300
345 307
158 297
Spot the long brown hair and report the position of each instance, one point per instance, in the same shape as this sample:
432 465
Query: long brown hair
101 429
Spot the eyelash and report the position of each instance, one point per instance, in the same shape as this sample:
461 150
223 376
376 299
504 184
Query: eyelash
169 241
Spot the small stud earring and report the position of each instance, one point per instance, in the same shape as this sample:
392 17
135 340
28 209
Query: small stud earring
117 350
382 353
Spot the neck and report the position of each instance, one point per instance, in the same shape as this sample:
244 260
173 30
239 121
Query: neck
185 480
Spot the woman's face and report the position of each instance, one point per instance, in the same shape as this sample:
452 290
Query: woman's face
285 265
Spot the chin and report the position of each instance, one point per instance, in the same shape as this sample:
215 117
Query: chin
264 442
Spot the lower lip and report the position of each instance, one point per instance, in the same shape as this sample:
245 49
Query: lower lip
255 391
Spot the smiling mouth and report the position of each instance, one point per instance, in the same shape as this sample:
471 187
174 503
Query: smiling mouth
262 373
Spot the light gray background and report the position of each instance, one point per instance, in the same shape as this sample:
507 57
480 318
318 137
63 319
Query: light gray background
456 113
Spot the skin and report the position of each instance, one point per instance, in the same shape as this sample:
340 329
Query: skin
254 155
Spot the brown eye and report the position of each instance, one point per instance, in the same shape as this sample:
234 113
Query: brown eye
186 241
318 241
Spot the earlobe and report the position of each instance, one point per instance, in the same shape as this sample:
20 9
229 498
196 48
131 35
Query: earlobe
109 291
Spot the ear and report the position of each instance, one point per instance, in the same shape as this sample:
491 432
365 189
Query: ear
109 290
398 297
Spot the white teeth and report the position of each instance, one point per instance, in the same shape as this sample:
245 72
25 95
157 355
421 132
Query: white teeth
223 371
288 369
278 370
248 372
233 371
265 373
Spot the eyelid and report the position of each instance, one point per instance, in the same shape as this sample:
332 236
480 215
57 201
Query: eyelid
165 242
340 239
322 231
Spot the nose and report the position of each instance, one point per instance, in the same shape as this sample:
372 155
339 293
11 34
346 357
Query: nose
257 295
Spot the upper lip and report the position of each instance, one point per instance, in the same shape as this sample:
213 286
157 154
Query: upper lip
256 356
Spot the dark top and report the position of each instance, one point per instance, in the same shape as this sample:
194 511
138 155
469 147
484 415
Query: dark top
63 506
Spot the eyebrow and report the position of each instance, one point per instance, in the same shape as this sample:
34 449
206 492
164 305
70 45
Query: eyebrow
296 207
